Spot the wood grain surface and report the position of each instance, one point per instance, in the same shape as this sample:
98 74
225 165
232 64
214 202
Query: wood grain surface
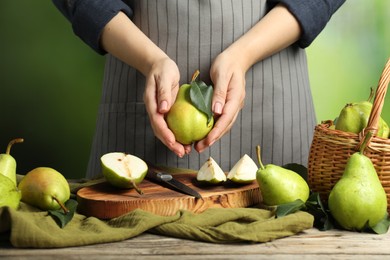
105 202
310 244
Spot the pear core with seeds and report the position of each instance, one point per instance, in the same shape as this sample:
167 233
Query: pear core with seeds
124 170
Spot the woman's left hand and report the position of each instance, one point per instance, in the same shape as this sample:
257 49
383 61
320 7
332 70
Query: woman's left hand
228 76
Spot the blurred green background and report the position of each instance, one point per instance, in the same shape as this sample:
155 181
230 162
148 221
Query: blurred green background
50 81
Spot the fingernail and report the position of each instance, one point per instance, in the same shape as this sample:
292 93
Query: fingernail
217 108
163 105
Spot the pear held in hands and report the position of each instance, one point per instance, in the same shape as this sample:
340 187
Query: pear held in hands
8 163
279 185
191 121
358 198
45 188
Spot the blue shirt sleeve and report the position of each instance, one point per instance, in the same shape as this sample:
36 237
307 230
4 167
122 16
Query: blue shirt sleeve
312 15
88 17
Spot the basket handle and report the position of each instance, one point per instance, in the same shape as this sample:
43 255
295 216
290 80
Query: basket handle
373 121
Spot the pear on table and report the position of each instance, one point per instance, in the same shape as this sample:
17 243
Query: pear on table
45 188
8 163
279 185
123 170
211 173
358 197
244 171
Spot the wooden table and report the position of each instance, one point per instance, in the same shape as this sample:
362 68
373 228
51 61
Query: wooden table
311 244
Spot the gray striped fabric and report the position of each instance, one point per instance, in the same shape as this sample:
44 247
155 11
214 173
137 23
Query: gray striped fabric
278 113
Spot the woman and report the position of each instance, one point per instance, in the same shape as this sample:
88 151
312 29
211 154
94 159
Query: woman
251 51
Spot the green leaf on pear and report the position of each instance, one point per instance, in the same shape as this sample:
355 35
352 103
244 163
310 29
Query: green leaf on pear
289 208
313 206
382 227
61 217
201 95
322 218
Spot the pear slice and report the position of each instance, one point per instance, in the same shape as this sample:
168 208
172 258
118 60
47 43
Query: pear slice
244 171
123 170
211 172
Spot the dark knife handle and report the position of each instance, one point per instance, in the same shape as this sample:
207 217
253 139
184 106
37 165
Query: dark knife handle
159 176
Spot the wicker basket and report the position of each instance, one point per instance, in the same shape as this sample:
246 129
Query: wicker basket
330 149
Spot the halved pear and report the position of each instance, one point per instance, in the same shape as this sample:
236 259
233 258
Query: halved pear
211 172
244 171
123 170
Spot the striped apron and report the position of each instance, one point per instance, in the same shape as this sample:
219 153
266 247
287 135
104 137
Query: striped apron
278 112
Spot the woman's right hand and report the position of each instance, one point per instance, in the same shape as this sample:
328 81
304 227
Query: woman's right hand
162 85
127 42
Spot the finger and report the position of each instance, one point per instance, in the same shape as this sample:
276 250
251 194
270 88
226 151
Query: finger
165 135
219 93
187 149
158 123
166 93
222 126
234 103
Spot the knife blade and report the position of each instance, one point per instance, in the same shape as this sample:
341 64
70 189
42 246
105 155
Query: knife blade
166 178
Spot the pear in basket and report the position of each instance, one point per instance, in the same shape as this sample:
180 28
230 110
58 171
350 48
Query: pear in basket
358 198
354 117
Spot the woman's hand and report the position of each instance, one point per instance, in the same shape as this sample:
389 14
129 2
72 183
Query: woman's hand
162 85
127 42
275 31
228 76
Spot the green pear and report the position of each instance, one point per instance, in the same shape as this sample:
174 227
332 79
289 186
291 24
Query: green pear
187 122
124 170
10 195
279 185
358 198
244 171
8 163
354 118
211 172
45 188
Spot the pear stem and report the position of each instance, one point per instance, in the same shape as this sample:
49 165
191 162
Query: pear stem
66 211
371 94
195 75
140 192
11 143
125 162
258 152
365 142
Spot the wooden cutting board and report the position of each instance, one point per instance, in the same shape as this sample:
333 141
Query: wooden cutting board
105 202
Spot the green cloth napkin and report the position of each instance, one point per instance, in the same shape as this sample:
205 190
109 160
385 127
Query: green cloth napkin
29 227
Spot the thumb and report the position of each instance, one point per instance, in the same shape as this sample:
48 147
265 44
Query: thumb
166 94
219 96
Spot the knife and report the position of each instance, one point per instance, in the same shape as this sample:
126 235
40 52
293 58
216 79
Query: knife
166 178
